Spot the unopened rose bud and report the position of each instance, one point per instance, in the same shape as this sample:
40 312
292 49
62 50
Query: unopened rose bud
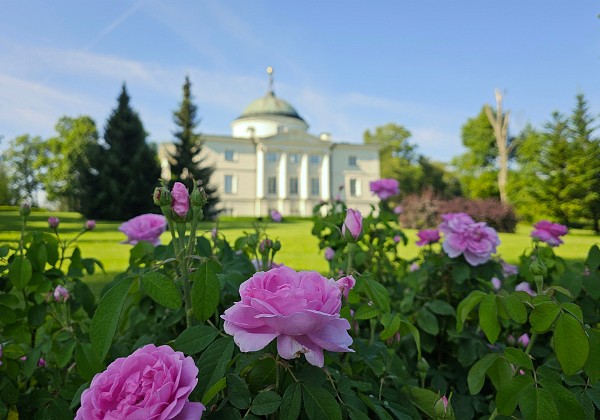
198 197
443 409
276 246
329 253
265 246
60 294
42 362
180 200
352 227
53 222
90 225
538 268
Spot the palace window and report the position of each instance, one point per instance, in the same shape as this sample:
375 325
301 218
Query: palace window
230 184
272 185
294 158
314 186
294 186
354 187
272 157
229 155
352 160
315 159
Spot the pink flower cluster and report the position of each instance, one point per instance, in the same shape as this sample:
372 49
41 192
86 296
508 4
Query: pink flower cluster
385 188
146 227
151 383
428 236
549 232
474 240
300 309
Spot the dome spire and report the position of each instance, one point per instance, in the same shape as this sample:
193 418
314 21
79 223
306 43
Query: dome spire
270 73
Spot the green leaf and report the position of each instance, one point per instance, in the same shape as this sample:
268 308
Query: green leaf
466 306
508 396
291 403
518 357
162 289
571 344
427 321
543 315
476 375
391 324
366 312
266 402
378 294
19 272
212 364
566 403
319 404
593 258
205 290
424 400
106 318
407 327
515 308
562 290
574 310
214 390
238 392
488 317
64 353
86 361
195 339
77 397
537 403
500 373
440 307
592 284
592 366
143 250
460 272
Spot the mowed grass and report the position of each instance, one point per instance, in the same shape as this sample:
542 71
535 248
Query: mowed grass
299 248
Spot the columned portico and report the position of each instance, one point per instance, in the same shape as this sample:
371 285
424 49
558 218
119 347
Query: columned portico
325 182
282 176
303 184
260 177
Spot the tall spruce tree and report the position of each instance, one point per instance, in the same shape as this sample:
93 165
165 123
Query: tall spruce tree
123 172
186 164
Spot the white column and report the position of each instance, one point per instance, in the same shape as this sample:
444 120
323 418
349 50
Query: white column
304 177
325 193
260 172
282 175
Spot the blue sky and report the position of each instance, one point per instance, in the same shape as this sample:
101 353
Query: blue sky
346 66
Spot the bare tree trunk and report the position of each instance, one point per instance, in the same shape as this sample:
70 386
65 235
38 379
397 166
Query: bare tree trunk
499 123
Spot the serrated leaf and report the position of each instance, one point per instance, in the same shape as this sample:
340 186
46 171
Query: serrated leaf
593 258
213 362
571 344
214 390
427 321
405 327
366 312
476 375
19 272
319 403
592 366
515 308
106 318
205 290
461 272
391 326
378 294
466 306
266 402
162 289
440 307
566 403
86 361
508 396
238 392
488 317
574 310
195 339
291 403
518 357
543 315
537 403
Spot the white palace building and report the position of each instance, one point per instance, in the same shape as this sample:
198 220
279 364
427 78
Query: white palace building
270 161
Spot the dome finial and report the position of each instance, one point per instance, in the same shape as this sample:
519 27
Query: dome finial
270 73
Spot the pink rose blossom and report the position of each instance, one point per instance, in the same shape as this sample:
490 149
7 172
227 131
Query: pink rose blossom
345 284
89 225
352 224
475 241
300 309
428 236
525 287
549 232
496 283
146 227
180 199
276 216
53 222
329 253
509 269
60 294
396 238
151 383
523 340
398 210
385 188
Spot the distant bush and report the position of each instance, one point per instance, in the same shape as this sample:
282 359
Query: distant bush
425 211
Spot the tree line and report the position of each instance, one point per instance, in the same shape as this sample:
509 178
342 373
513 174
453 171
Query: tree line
109 177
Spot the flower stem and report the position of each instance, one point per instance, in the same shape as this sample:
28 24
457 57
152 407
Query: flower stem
351 249
531 341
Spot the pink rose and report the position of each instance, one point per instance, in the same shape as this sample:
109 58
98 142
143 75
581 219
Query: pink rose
396 238
60 294
428 236
523 340
549 232
525 287
300 309
53 222
276 216
385 188
475 241
181 199
496 283
398 210
146 227
509 269
151 383
345 284
89 225
352 224
42 362
329 253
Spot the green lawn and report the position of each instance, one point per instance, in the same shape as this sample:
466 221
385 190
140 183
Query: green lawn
299 247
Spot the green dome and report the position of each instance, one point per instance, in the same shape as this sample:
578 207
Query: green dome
270 105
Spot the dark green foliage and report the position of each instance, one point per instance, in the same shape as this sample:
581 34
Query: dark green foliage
21 157
123 171
185 164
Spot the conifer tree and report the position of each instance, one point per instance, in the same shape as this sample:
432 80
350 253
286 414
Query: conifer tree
123 172
186 164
